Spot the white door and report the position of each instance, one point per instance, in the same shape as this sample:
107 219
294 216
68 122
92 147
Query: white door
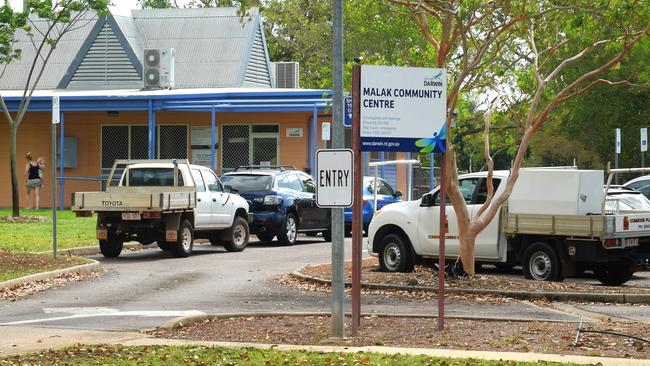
220 213
486 243
203 212
429 221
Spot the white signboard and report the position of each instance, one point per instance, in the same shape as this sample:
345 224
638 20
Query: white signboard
56 110
403 108
632 223
202 136
326 132
334 177
644 139
618 140
202 157
294 132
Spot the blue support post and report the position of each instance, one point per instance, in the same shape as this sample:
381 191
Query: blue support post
213 138
61 157
314 142
152 131
381 167
432 172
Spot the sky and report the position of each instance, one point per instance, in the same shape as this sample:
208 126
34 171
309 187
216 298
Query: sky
121 7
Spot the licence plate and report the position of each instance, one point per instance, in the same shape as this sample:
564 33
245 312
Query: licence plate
630 242
130 216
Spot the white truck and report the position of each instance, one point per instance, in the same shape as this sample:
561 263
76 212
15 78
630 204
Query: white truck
165 201
554 224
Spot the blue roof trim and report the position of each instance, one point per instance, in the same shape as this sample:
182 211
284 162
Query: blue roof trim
119 34
65 80
281 101
247 52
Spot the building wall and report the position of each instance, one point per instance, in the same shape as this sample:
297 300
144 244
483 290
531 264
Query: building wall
34 135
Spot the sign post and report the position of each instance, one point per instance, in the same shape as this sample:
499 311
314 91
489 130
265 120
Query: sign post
56 119
618 152
644 145
400 109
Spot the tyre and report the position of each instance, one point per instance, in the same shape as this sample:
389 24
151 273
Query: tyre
327 235
185 240
111 247
237 239
289 231
266 237
541 263
395 255
613 275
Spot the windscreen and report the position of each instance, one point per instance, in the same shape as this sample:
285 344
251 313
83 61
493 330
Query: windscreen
247 182
153 177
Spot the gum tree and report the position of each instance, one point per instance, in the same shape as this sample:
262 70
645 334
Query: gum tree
524 49
60 18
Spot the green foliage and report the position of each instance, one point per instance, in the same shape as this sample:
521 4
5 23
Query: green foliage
200 355
37 236
10 21
155 4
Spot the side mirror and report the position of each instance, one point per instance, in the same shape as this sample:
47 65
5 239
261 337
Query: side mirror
397 194
229 189
427 200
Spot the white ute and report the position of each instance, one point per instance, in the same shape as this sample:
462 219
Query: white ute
554 225
165 201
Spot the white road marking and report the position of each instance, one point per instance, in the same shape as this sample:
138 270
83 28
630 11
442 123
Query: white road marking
89 312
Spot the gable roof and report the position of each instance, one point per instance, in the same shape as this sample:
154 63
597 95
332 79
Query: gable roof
215 47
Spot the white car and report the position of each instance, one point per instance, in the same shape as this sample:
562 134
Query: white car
641 184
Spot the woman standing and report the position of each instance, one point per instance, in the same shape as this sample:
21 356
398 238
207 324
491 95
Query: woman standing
33 181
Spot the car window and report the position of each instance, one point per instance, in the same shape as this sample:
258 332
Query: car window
247 182
642 186
283 182
294 182
212 182
308 183
481 196
152 177
467 188
384 188
198 179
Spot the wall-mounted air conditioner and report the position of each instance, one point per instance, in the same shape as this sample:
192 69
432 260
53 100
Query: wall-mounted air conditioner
159 68
286 74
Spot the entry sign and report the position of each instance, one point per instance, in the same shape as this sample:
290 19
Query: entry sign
56 110
334 172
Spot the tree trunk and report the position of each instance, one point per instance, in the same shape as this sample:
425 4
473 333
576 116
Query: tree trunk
467 252
15 188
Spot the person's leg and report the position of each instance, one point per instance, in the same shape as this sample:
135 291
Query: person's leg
29 205
37 196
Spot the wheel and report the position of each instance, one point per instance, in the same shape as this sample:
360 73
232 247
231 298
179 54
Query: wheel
289 230
327 235
237 236
613 275
266 237
111 247
541 263
185 240
395 255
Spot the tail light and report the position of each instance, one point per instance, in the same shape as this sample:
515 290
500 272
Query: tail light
365 202
151 215
611 243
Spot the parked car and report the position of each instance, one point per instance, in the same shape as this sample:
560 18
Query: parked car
625 200
641 184
385 195
282 200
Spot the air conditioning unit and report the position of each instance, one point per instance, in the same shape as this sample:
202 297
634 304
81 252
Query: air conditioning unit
286 74
159 68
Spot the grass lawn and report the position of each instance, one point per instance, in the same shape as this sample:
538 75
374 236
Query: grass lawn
198 355
36 236
14 265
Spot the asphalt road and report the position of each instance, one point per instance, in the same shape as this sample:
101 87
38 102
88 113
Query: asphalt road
143 289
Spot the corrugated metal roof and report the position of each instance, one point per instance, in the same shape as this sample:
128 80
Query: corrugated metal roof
213 48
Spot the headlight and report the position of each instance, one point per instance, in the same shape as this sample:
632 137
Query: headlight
271 200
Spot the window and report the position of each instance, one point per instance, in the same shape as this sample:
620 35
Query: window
212 181
481 195
283 182
152 177
294 182
200 185
467 188
247 182
249 145
308 183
